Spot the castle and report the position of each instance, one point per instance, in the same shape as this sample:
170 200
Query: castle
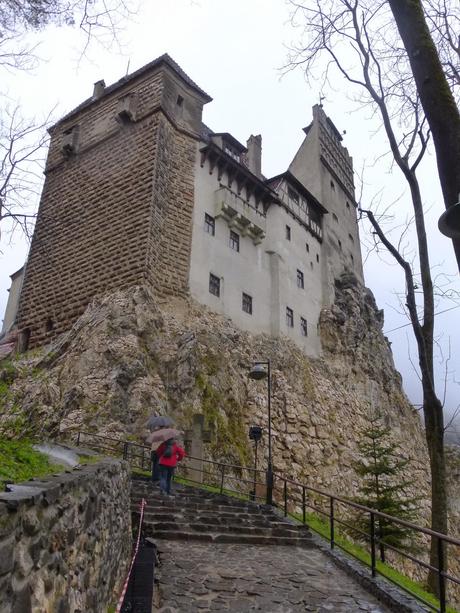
139 190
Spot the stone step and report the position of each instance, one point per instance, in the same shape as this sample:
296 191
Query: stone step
171 504
282 530
236 537
216 519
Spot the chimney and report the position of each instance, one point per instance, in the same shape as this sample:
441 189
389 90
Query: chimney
99 89
254 155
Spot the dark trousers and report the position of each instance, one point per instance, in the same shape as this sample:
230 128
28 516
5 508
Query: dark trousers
166 475
155 467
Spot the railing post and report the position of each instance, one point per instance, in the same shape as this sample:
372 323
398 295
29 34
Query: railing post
304 518
373 544
78 438
285 498
441 578
222 479
331 518
125 451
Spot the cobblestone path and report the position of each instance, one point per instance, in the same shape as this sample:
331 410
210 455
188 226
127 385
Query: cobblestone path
281 579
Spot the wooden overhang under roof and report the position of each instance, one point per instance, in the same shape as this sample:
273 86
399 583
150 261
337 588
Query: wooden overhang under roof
238 173
300 187
231 140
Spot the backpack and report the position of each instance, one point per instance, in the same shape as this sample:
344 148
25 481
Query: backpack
168 452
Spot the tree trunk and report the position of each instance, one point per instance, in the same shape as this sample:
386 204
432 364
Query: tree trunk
434 430
435 95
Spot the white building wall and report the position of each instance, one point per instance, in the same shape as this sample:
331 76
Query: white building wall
267 271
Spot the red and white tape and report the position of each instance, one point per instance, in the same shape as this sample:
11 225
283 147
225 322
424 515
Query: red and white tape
125 586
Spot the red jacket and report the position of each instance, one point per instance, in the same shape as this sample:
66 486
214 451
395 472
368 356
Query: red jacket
177 454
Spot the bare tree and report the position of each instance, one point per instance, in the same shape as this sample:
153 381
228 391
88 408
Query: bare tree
22 151
358 39
432 77
23 142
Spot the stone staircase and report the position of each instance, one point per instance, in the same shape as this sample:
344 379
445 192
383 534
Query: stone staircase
193 514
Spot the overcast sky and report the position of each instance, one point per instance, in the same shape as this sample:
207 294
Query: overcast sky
234 51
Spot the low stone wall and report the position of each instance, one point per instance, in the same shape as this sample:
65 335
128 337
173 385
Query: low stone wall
65 542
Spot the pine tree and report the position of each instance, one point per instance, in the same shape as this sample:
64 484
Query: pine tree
383 486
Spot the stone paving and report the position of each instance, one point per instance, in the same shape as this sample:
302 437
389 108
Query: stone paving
196 576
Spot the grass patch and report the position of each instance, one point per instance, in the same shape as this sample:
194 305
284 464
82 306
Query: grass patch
20 462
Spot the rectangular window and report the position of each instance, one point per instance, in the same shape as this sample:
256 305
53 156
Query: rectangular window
303 326
234 241
289 317
214 285
247 303
307 246
300 282
209 224
288 233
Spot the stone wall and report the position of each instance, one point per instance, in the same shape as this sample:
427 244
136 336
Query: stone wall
65 542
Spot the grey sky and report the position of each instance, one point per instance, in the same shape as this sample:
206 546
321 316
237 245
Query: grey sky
234 51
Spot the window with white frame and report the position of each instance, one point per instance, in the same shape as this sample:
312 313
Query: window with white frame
209 224
300 279
214 285
247 303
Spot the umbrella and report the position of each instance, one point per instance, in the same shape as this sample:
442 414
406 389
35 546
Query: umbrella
158 421
159 436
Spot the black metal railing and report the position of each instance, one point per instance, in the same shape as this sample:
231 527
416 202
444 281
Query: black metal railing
295 499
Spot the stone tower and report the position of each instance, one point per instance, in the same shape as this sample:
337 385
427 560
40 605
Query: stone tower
112 214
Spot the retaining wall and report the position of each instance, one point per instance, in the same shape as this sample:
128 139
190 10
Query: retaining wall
65 541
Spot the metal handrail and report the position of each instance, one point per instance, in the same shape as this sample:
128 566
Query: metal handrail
223 473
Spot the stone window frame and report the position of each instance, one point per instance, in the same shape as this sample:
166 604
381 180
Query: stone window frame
303 326
214 285
246 303
288 232
209 224
289 317
234 241
300 279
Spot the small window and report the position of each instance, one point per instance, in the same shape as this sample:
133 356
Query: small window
247 303
209 224
289 317
234 241
288 233
214 285
340 245
307 247
317 258
335 218
300 280
347 204
332 186
311 265
179 101
352 258
303 326
351 238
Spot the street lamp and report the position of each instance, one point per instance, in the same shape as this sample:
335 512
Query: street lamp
449 222
261 370
255 434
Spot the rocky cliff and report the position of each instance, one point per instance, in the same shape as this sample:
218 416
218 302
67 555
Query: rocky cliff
129 356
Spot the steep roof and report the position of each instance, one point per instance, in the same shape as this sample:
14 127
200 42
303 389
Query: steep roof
162 59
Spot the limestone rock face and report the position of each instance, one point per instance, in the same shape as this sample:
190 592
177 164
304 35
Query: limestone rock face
129 356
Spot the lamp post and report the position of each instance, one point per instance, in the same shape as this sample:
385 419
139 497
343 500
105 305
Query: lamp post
449 222
261 370
255 434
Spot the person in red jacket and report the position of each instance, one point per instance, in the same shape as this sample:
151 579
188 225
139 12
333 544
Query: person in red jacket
169 454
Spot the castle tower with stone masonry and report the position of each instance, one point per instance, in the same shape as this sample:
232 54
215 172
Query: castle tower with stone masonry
139 190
